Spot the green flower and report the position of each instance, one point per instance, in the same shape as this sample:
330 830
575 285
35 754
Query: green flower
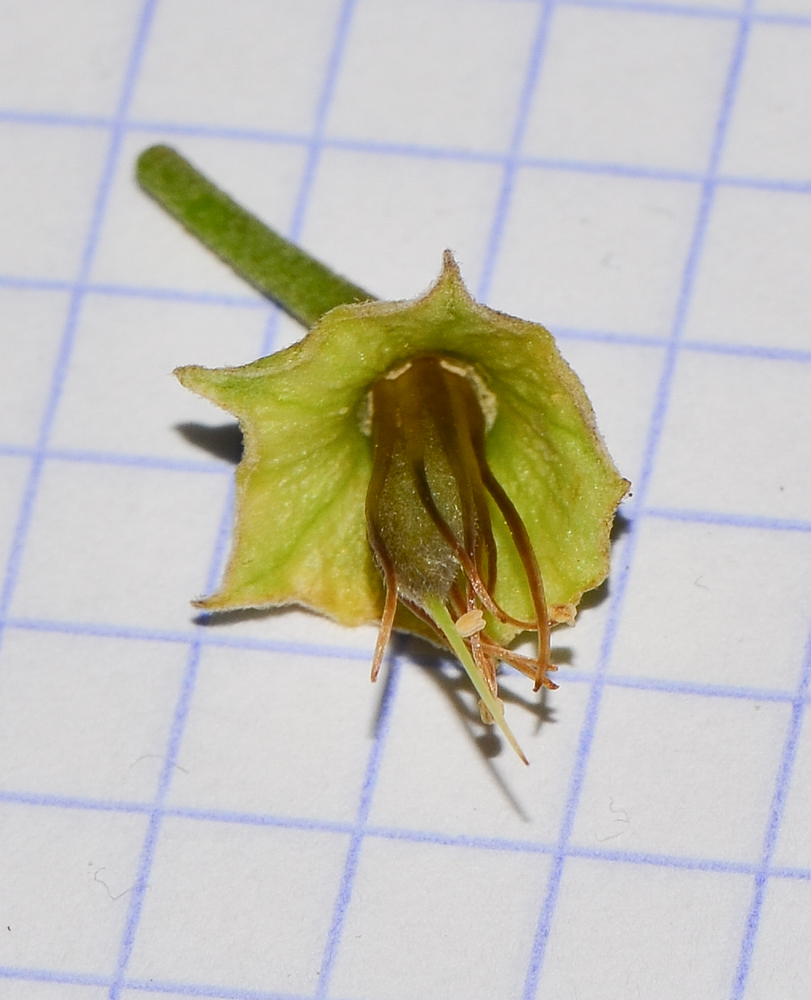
432 465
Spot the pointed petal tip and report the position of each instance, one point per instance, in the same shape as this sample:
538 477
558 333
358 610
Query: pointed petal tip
198 380
210 383
218 601
450 280
449 263
188 375
451 273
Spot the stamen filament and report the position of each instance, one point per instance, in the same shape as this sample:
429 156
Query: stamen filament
530 563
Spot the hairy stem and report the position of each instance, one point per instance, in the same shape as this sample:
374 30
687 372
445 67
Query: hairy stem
301 285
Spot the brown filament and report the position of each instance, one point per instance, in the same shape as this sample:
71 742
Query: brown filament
527 665
380 469
526 553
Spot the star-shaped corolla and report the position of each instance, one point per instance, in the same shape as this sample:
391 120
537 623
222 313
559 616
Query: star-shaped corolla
432 465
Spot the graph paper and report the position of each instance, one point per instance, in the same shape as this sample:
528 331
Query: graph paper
229 808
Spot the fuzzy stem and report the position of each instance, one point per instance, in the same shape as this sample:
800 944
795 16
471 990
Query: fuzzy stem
443 620
301 285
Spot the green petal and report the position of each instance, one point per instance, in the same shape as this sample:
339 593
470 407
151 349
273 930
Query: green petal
300 533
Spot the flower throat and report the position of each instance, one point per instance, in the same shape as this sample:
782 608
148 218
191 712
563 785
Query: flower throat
429 509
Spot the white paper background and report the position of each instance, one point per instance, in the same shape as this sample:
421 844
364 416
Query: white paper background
232 810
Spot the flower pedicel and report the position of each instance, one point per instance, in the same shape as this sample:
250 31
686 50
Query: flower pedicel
432 465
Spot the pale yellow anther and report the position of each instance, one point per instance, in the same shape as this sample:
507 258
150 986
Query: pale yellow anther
470 623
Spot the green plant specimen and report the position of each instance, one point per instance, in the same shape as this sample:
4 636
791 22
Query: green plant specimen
431 465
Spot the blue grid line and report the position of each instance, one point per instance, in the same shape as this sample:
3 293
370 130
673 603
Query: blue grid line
16 450
781 790
742 350
37 284
668 861
325 100
612 168
77 294
603 167
204 990
184 702
158 987
764 352
121 459
252 301
617 339
69 331
769 353
753 15
157 813
529 847
700 689
656 427
793 355
297 648
729 520
145 20
204 637
790 20
412 835
134 291
413 150
52 976
648 7
373 764
486 157
197 814
416 150
202 130
671 685
510 169
359 830
58 118
788 872
717 866
764 183
314 145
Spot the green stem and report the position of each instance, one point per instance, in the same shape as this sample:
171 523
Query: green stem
437 610
301 285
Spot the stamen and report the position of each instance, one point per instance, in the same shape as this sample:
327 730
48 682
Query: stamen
384 450
530 563
470 622
386 625
527 665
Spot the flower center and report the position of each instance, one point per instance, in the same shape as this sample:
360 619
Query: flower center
429 510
